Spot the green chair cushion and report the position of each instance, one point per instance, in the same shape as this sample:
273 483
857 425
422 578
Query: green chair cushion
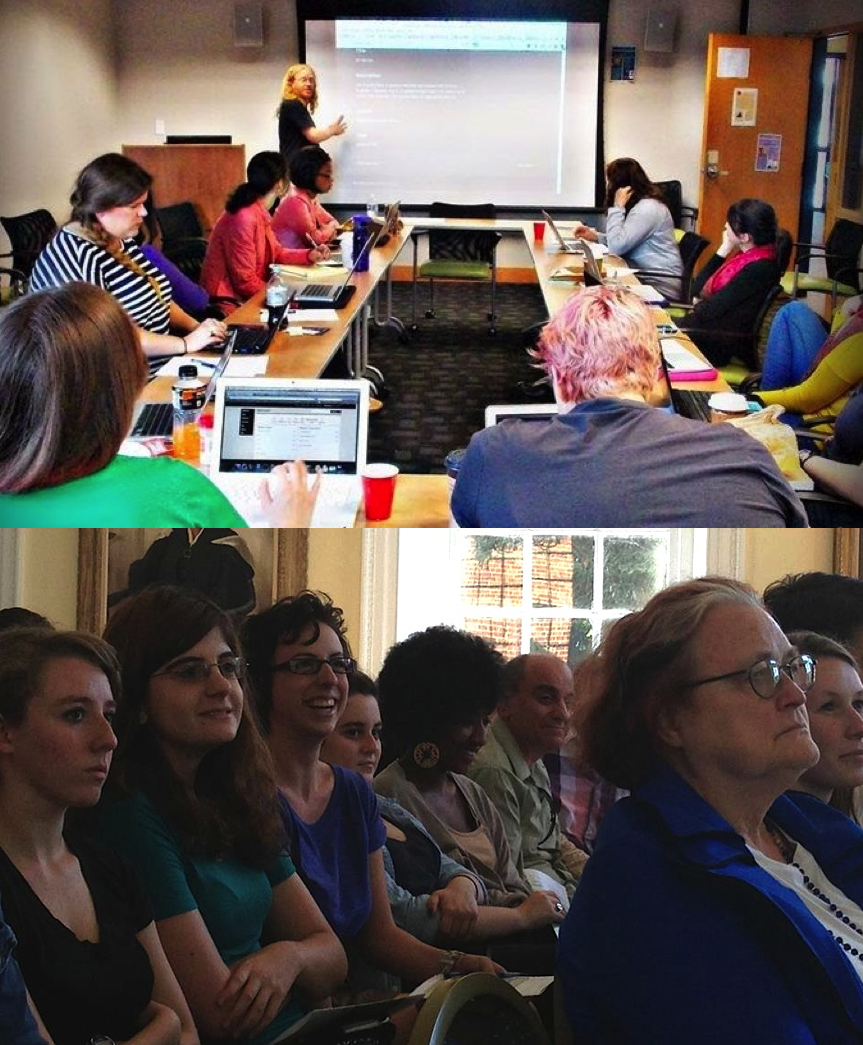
734 372
816 285
455 270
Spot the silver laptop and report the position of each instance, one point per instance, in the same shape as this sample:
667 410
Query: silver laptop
334 295
156 420
567 246
262 422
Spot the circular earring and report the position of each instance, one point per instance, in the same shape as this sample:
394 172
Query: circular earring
426 755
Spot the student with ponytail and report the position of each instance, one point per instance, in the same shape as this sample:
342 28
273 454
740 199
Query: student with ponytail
242 244
97 246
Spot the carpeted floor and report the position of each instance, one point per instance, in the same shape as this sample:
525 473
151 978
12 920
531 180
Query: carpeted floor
442 379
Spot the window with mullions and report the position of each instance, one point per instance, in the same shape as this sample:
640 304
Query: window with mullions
534 591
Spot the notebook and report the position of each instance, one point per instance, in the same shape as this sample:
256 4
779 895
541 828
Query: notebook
262 422
334 295
156 420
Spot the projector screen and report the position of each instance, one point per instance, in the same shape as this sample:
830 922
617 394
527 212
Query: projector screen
461 110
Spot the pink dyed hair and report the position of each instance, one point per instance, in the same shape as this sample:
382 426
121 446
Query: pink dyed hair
601 343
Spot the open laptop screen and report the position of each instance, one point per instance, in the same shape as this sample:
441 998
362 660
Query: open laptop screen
263 426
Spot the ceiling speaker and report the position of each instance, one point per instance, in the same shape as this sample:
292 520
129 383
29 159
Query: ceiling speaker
659 33
248 25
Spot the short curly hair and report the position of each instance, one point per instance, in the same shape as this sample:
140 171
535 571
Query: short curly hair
435 680
285 621
828 603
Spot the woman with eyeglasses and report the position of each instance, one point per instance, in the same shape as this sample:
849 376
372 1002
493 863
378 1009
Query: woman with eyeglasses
300 220
87 947
191 800
299 663
835 707
715 908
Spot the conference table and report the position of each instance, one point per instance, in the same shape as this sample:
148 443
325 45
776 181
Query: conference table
420 500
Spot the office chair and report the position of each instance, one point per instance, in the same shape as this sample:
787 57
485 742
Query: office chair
28 234
15 285
477 1009
183 240
840 254
457 254
684 216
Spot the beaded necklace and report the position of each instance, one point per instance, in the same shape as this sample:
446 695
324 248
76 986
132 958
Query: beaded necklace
788 849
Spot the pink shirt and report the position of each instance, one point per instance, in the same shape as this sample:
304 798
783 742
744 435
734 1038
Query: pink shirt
299 216
241 249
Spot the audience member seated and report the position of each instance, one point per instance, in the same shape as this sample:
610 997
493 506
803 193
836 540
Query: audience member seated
697 704
730 289
21 617
191 297
638 225
609 458
98 246
835 708
844 480
300 220
87 945
300 661
191 801
71 369
242 246
824 602
835 368
18 1025
432 897
532 720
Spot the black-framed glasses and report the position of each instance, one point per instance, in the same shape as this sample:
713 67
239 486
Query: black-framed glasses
308 664
196 669
764 675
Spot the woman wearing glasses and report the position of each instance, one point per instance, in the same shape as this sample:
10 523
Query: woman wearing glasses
300 220
714 908
299 661
191 802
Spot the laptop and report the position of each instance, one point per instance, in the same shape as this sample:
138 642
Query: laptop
334 295
253 339
568 246
521 411
156 420
262 422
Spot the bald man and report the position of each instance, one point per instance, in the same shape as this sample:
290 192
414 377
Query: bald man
532 720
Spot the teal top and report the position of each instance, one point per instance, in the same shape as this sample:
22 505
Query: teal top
233 898
129 491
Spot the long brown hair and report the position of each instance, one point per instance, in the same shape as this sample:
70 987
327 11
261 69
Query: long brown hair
71 368
233 810
627 171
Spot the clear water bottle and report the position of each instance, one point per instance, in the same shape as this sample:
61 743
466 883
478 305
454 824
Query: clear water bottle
278 291
188 396
372 207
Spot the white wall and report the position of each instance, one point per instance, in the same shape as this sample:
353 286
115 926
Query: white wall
78 79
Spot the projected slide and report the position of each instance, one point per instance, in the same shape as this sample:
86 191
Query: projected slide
461 111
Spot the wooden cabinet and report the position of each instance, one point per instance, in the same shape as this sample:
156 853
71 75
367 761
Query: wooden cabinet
204 174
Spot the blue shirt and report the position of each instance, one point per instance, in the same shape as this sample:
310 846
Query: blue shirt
332 854
17 1026
676 935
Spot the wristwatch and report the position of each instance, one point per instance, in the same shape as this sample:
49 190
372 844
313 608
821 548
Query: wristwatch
101 1039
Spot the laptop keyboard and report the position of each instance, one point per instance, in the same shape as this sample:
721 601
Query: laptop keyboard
336 505
155 419
691 403
318 290
250 339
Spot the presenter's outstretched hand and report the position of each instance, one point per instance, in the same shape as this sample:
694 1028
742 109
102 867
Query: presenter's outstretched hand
338 126
287 497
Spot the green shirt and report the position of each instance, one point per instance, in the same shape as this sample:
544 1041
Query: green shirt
522 795
129 491
233 898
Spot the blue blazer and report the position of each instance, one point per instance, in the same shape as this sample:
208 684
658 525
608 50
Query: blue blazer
676 936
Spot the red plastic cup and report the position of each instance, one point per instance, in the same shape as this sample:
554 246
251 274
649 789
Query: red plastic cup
539 231
379 484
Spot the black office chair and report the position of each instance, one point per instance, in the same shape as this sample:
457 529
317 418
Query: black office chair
13 283
183 240
28 234
457 255
840 254
684 216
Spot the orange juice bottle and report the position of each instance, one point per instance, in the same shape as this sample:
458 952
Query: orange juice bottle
188 397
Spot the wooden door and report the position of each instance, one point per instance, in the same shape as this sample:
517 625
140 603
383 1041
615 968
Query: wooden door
738 154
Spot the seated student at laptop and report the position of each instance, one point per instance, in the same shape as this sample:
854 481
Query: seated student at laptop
638 226
242 246
98 246
300 220
71 369
609 458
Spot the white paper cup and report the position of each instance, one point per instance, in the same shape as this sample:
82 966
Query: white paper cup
727 405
